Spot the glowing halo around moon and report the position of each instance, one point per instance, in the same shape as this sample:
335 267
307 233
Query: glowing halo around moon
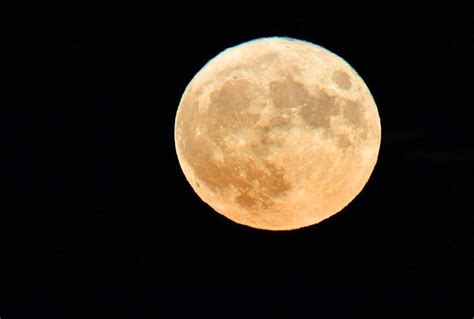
277 133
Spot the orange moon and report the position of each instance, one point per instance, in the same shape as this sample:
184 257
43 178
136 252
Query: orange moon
277 133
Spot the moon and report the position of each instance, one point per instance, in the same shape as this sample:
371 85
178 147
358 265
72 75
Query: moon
277 133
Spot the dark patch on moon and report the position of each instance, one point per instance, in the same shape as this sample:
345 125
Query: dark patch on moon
343 141
317 110
354 114
287 93
232 96
227 113
342 80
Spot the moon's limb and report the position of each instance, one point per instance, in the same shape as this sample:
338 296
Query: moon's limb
277 134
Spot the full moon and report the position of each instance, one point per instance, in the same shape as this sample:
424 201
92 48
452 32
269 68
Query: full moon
277 133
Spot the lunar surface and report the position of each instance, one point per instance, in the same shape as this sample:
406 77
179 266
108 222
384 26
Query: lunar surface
277 133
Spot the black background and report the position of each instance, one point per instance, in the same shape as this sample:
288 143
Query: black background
97 219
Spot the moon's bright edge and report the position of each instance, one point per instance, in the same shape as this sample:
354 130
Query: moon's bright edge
277 133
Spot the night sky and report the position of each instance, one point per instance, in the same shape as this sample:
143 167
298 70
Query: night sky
98 220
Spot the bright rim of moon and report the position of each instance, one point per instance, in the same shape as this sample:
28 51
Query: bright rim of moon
277 133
